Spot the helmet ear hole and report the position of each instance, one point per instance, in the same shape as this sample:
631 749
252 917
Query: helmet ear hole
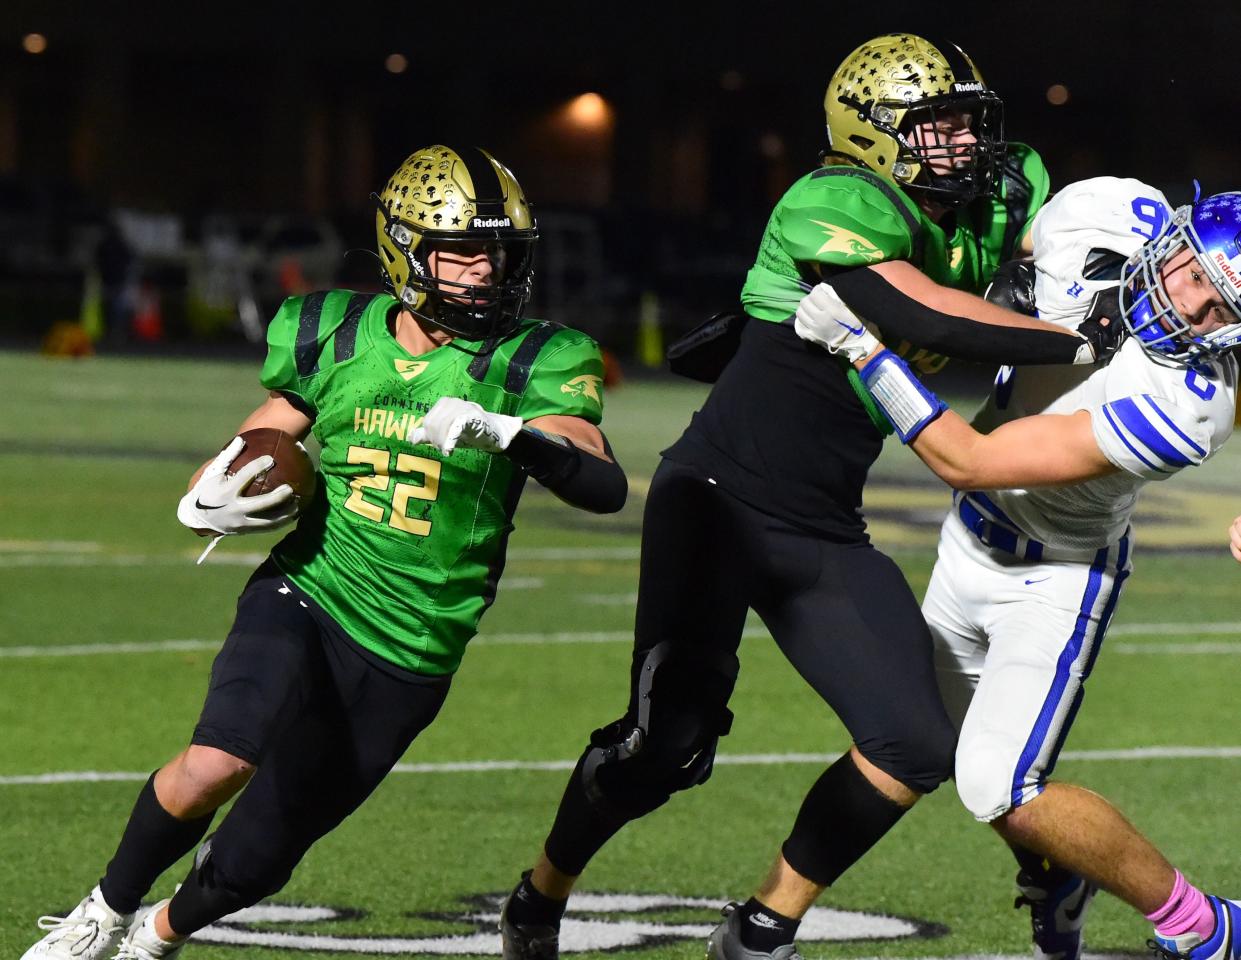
862 143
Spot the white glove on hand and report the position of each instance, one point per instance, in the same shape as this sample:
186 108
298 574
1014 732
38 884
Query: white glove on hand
823 318
453 421
215 502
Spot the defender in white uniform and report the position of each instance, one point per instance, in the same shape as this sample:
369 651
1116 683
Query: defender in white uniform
1029 574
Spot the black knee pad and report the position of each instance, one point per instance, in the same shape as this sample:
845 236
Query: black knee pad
921 759
209 892
667 740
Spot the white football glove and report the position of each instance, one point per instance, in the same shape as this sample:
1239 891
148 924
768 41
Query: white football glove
823 318
454 422
215 502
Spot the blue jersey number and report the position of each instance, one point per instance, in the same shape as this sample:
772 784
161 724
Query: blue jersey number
1199 385
1152 213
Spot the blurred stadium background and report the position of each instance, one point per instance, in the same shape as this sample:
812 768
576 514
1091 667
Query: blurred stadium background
166 178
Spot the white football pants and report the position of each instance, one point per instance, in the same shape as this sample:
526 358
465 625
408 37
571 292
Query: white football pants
1015 640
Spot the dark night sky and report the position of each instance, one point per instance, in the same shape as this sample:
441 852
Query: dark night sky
1150 84
208 107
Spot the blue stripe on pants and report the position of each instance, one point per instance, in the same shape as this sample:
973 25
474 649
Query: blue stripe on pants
1064 666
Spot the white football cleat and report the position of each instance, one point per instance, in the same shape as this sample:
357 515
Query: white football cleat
143 943
90 932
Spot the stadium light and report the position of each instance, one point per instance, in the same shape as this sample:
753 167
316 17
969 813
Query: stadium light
1057 94
589 113
34 43
396 63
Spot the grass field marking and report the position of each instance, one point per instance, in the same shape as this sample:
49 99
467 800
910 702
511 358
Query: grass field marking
1180 649
622 636
49 546
726 759
66 553
1174 629
99 649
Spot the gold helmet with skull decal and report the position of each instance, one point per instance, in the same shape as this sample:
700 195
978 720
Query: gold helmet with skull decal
892 82
440 198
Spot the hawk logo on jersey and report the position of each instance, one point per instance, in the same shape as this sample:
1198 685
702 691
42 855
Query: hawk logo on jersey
586 385
847 243
408 369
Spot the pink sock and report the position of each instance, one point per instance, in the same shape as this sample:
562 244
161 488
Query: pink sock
1187 911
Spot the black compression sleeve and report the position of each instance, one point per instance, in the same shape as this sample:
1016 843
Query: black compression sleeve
580 479
900 317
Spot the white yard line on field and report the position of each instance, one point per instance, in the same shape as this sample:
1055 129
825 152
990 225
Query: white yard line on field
64 553
727 759
626 636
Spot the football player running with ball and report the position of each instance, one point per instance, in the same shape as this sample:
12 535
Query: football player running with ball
758 504
347 637
1029 573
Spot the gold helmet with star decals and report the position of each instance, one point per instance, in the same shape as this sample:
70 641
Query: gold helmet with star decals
441 199
891 83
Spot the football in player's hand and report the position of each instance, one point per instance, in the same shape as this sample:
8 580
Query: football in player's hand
292 464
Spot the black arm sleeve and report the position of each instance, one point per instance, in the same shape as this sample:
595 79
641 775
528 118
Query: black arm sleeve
900 317
576 477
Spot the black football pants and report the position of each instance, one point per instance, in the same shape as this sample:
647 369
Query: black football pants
841 613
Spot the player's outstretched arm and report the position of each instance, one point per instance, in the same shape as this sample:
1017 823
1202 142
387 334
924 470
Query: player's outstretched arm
568 455
903 303
1039 451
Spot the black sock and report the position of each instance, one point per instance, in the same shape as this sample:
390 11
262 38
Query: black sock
763 929
152 842
842 817
528 907
1038 870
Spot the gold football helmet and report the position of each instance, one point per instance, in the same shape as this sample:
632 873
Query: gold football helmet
892 82
440 197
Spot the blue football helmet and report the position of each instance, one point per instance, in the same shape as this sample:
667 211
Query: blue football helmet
1211 228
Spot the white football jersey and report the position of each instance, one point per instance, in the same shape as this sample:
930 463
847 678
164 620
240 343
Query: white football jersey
1149 419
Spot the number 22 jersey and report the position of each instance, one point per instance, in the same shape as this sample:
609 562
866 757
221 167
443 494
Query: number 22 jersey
401 546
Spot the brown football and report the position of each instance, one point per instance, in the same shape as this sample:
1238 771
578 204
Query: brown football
292 464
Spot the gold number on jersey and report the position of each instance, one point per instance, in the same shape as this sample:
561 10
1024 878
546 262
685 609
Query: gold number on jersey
380 462
428 490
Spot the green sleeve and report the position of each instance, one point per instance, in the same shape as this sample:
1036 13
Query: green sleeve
841 219
567 380
280 367
1032 177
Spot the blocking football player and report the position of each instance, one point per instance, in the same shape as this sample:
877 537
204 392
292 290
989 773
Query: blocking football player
1029 574
347 637
758 505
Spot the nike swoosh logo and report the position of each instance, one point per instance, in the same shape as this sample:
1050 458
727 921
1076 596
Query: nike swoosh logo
1074 914
853 330
203 506
1039 580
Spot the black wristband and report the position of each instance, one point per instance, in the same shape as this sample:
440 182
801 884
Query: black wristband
545 456
578 478
900 317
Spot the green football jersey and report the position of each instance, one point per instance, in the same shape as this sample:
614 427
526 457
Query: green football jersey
404 547
843 217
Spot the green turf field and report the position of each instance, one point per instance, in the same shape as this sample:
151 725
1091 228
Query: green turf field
107 630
